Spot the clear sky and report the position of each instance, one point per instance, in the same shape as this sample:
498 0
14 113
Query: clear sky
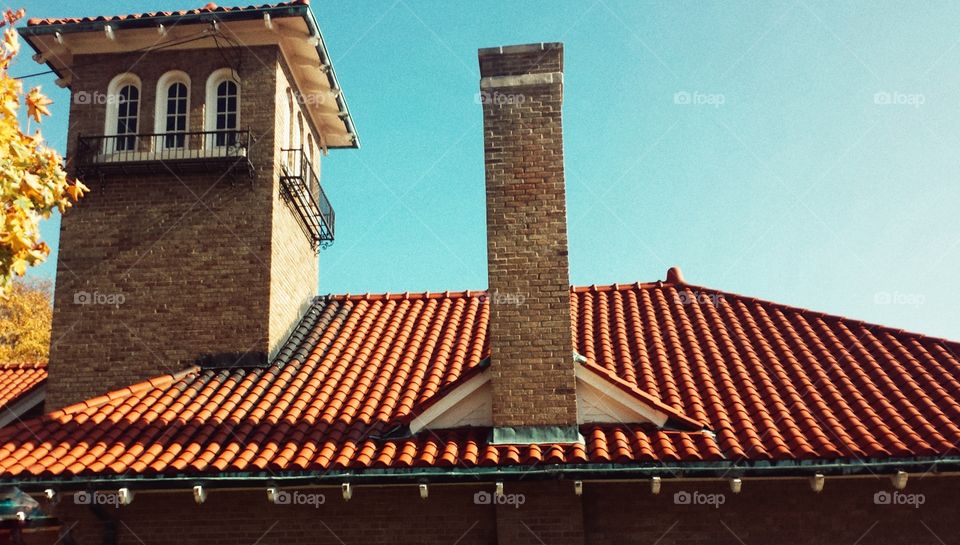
804 152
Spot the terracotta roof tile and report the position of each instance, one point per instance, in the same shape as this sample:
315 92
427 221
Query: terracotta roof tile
19 379
208 8
772 382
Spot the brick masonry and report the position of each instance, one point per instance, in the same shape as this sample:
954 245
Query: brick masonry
531 366
205 264
784 511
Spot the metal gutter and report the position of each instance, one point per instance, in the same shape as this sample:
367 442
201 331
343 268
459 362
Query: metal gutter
460 475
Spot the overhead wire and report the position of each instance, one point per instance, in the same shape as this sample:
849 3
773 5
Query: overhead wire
203 34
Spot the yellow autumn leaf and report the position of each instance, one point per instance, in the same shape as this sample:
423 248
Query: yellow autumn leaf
11 41
37 104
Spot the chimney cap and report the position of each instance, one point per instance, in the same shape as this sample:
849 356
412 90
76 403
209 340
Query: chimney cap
674 275
520 48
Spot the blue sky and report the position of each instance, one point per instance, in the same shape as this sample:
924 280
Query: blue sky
804 152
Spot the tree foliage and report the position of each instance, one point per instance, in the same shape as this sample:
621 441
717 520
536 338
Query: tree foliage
25 320
33 182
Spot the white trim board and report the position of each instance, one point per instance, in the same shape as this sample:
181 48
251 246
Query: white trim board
598 402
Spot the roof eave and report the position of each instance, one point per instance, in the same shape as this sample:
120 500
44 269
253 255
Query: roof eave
787 469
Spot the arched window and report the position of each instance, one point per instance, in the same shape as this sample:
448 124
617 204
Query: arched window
309 150
289 156
300 130
172 117
290 110
123 113
223 107
314 184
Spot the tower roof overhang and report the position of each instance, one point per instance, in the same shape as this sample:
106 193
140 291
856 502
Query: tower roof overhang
291 26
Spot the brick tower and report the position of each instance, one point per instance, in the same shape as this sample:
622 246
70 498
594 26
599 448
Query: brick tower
200 135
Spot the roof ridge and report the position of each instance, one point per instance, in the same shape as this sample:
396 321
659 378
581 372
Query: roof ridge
658 284
24 365
822 314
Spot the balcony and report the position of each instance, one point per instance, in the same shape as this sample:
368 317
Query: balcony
300 187
180 152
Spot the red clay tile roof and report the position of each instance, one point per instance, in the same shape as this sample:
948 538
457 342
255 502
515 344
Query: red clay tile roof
18 380
208 8
773 382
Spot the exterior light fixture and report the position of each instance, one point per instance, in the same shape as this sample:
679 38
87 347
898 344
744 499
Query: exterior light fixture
655 484
816 482
499 488
125 495
899 480
199 494
272 494
347 491
424 491
578 488
735 485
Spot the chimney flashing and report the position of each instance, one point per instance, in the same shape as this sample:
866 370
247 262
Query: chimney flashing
535 435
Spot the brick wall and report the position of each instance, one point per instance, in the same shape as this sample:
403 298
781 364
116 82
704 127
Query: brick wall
195 264
531 366
294 263
765 512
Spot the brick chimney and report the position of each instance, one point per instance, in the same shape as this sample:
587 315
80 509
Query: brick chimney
534 396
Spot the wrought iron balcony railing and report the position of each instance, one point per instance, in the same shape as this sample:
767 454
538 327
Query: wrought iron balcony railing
178 151
300 186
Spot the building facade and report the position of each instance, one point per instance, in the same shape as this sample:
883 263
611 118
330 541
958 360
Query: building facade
221 402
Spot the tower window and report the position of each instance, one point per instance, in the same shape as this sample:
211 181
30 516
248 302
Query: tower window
123 114
128 112
223 108
176 119
173 111
226 113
